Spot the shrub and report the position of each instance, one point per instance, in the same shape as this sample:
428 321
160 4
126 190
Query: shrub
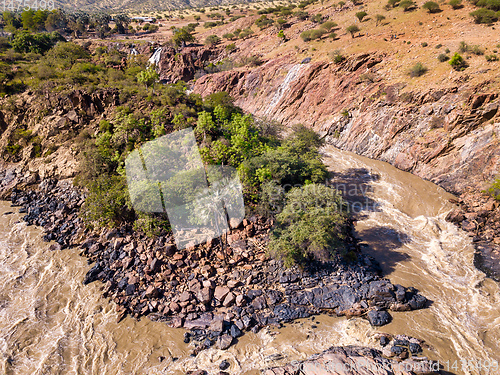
245 33
228 36
494 190
353 29
301 15
361 15
336 56
406 5
484 16
424 44
231 47
107 202
491 57
456 4
212 40
417 70
312 226
263 22
476 50
431 6
457 62
328 26
489 4
313 34
463 47
442 57
379 18
392 3
182 36
318 18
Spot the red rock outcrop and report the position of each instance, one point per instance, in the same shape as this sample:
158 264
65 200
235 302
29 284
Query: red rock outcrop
448 136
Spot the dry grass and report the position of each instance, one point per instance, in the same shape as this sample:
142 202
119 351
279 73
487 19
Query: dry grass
447 28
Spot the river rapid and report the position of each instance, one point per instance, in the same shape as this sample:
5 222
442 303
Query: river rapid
50 323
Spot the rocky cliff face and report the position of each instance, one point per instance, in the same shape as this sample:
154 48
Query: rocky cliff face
38 134
448 135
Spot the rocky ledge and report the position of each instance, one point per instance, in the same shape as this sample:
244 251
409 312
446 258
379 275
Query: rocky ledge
479 215
361 360
216 290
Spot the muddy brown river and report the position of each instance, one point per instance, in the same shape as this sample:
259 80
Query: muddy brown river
50 323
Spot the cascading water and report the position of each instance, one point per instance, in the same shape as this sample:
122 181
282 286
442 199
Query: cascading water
50 323
292 74
155 57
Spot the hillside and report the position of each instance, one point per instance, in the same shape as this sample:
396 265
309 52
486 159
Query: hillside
137 5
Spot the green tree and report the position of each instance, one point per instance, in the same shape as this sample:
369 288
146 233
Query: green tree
312 226
379 18
12 21
181 37
148 77
456 4
406 5
417 70
361 15
483 15
122 21
457 62
212 40
328 26
353 29
431 6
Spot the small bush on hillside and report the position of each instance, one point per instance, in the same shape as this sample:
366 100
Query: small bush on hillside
431 6
313 34
353 29
491 57
212 40
336 56
379 18
231 47
407 5
417 70
263 22
489 4
494 190
361 15
457 62
442 57
456 4
318 18
301 15
328 26
484 15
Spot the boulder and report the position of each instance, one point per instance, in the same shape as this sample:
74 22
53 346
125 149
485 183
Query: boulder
379 318
224 341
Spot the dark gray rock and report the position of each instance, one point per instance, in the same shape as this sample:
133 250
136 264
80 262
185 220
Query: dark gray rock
379 318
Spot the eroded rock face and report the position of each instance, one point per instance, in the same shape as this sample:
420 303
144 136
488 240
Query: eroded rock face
444 135
355 360
182 66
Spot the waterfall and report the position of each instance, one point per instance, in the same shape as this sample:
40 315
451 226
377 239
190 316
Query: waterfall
290 77
155 58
